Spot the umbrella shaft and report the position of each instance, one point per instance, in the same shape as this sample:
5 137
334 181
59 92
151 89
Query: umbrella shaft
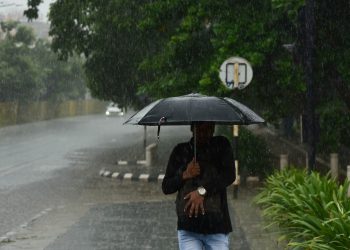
195 143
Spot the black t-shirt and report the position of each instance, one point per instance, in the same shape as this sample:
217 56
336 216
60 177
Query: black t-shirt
217 172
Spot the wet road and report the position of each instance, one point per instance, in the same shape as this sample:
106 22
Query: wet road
31 152
52 196
45 164
50 169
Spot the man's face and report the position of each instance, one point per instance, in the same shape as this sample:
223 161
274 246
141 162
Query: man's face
204 132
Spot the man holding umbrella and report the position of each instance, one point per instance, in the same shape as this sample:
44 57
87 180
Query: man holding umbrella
199 170
200 178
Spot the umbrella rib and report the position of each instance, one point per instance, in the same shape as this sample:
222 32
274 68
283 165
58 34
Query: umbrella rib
137 113
162 100
235 108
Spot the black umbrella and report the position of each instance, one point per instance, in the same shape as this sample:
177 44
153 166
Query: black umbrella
192 109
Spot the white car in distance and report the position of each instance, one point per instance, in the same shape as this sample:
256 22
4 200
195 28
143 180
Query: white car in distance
113 109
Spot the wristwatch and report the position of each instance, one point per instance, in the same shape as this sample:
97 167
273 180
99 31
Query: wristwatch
201 190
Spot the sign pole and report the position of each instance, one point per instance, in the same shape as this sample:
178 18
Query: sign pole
235 130
235 133
236 77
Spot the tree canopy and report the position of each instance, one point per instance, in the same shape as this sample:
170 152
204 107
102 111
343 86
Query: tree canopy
163 48
30 71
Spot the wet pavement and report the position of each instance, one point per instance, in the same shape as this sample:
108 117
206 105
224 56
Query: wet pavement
109 213
152 225
133 225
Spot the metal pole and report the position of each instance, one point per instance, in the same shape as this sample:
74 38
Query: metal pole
309 72
144 139
235 132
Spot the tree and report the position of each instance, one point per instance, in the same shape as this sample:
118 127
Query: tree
258 31
18 73
331 64
175 47
207 33
106 33
30 71
61 80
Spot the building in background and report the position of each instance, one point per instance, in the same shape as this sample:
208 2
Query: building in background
13 10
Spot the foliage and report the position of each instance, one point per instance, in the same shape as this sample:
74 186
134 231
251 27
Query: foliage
312 212
19 76
334 125
32 11
106 33
8 26
61 80
176 47
165 48
332 85
207 33
253 153
29 71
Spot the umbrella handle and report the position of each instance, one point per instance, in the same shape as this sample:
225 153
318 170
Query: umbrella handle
160 122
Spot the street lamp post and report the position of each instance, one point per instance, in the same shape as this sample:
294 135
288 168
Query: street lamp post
309 57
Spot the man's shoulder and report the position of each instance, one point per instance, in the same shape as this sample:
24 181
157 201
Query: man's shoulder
182 146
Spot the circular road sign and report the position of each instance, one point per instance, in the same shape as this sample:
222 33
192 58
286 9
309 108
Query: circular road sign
236 72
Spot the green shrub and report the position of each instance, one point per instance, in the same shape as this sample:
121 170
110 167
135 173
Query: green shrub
312 212
253 154
334 128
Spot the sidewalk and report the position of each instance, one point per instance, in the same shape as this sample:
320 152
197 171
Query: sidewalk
111 213
249 228
134 214
248 217
151 224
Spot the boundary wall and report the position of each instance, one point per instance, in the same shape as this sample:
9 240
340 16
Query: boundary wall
12 113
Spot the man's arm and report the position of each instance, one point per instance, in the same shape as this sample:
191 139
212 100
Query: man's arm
175 174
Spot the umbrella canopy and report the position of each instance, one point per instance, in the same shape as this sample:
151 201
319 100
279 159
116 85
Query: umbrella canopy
194 108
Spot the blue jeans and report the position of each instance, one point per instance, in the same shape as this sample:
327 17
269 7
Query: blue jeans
194 241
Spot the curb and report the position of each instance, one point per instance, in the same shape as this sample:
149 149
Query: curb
131 176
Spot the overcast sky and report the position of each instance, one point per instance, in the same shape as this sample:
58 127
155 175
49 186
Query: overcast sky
8 7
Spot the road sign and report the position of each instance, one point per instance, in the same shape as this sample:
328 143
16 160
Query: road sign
236 72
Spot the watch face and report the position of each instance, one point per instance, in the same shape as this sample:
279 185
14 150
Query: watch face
201 190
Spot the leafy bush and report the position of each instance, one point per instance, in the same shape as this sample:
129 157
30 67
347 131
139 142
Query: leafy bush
253 154
334 124
312 212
